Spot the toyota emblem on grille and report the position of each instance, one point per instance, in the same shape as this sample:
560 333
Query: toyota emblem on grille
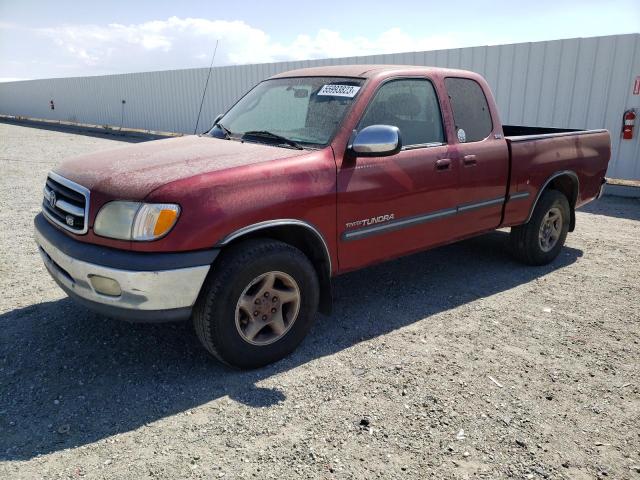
52 199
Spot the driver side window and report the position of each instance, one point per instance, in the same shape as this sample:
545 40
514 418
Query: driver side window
412 106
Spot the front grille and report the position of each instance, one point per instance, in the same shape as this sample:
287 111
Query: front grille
66 203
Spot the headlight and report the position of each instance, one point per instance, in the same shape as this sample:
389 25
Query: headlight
136 221
115 220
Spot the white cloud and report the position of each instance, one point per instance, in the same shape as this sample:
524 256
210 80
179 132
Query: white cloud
188 42
328 43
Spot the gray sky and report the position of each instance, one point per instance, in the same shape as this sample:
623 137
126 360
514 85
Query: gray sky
41 39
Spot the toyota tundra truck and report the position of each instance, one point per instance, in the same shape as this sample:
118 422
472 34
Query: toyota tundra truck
312 173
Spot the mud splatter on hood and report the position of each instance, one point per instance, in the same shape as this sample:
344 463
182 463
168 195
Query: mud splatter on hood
133 171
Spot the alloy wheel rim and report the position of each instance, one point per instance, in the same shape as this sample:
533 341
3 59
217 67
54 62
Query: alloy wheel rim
550 229
267 308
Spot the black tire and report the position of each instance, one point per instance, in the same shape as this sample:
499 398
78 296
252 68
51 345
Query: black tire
525 239
214 315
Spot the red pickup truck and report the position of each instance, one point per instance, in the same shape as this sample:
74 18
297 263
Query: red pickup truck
313 173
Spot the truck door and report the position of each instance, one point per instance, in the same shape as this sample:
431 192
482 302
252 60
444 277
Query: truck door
390 206
483 158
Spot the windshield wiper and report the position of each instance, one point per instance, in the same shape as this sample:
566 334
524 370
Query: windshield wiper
275 136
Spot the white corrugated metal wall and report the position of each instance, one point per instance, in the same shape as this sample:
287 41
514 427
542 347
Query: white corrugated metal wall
575 83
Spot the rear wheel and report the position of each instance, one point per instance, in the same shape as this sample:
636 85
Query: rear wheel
539 241
258 303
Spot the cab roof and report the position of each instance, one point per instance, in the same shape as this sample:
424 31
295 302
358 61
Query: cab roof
368 71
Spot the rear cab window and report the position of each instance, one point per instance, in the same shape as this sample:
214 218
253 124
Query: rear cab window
470 108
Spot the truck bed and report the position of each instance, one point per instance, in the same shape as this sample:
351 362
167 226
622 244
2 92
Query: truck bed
539 154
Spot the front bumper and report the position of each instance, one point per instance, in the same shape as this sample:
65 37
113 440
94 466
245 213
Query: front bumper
153 286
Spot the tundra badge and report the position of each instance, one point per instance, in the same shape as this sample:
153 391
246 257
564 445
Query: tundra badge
371 221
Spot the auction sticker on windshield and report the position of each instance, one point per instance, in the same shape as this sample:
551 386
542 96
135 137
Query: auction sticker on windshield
339 90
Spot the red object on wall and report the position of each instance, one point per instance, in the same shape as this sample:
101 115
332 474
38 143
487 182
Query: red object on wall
636 86
629 120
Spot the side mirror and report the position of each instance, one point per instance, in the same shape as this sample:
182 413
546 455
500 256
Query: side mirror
215 122
377 141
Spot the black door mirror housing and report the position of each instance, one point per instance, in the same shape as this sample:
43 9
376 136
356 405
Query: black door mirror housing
215 122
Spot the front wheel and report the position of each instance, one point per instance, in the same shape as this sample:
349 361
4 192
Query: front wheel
539 241
258 303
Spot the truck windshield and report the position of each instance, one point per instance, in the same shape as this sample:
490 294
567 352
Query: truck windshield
303 110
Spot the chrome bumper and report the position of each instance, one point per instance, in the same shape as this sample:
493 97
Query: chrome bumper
164 290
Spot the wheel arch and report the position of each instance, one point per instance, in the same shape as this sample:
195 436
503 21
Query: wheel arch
566 182
299 234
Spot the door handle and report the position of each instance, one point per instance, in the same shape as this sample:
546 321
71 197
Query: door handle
470 160
443 164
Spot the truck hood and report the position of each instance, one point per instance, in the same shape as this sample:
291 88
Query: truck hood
134 171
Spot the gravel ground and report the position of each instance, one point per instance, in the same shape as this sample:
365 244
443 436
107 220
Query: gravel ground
454 363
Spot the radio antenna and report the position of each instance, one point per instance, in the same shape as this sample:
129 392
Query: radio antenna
204 92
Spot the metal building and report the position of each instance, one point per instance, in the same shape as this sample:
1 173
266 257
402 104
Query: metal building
574 83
